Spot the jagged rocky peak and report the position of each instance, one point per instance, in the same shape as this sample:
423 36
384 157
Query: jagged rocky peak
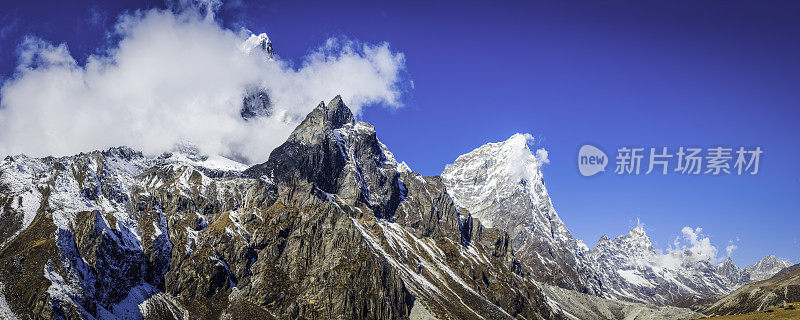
322 119
256 102
638 238
732 272
259 43
766 267
633 245
728 264
338 156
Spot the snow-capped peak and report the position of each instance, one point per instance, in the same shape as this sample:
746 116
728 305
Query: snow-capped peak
727 263
492 172
502 185
631 268
638 234
186 153
635 244
766 267
258 44
730 271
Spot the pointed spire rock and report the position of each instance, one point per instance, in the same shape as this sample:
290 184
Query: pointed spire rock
323 118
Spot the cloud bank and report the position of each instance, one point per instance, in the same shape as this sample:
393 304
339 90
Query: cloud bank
178 75
690 248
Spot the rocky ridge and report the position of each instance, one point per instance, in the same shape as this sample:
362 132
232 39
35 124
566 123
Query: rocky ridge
776 291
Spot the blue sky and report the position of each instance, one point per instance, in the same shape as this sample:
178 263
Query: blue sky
611 73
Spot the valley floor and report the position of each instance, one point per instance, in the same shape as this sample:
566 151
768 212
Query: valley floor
790 311
576 305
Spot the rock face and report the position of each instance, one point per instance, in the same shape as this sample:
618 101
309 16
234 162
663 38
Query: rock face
331 226
256 102
765 294
733 273
501 184
766 268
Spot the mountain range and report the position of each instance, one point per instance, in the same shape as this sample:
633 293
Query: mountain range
502 185
332 225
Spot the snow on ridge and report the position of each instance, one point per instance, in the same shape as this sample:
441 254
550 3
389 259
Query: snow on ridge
19 177
213 162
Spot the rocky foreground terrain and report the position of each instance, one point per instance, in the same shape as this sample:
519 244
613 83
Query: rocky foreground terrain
781 289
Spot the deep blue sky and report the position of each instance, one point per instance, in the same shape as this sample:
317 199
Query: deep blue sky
609 73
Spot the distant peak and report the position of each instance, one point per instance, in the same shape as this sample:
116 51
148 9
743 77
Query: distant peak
728 262
259 43
637 231
769 259
637 235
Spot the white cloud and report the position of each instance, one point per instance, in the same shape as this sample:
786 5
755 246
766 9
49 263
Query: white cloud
180 76
691 247
696 244
731 247
542 156
528 138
